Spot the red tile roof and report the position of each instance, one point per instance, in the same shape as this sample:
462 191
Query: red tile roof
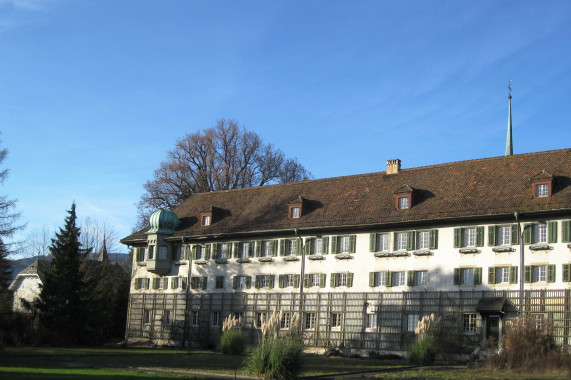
483 187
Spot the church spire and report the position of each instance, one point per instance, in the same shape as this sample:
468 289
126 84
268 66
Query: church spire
509 139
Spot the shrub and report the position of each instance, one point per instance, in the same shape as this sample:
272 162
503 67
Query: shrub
278 358
424 350
232 342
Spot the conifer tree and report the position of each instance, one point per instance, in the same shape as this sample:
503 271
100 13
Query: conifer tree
64 302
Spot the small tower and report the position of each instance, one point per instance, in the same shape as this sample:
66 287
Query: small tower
509 139
103 256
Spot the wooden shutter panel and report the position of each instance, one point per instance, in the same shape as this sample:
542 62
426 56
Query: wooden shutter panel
492 236
515 234
410 240
325 247
307 246
527 277
372 242
372 279
248 282
480 236
433 241
297 246
457 272
156 283
477 276
274 248
332 281
349 280
352 243
306 280
251 249
192 282
552 232
388 279
296 280
272 281
208 251
235 282
513 275
281 280
147 283
457 237
566 231
322 278
204 282
551 273
334 244
136 284
257 282
183 283
566 273
491 275
194 252
527 234
236 251
410 278
282 247
216 250
259 248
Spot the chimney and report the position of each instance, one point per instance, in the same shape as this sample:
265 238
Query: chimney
393 166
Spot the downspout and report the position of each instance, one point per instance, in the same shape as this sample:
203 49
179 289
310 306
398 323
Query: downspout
187 304
302 275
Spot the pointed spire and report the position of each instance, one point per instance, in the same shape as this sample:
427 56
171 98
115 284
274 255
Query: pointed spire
103 256
509 139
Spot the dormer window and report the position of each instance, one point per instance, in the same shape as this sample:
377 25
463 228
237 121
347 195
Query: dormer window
295 208
403 203
542 185
295 212
403 198
206 219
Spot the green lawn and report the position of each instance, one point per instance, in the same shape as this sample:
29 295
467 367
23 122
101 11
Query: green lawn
464 374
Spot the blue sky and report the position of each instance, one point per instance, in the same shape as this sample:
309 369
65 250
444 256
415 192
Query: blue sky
94 93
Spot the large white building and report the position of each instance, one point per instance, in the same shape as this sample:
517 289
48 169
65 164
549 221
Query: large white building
363 257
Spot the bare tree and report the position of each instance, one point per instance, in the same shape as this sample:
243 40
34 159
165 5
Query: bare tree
8 215
94 234
223 157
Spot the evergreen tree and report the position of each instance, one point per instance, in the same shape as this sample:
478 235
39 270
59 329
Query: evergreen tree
65 302
5 293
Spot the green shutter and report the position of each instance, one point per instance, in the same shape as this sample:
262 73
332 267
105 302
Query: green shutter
272 281
166 283
259 248
298 247
552 232
296 280
307 246
457 272
433 241
147 283
274 248
372 242
566 273
248 282
372 279
281 280
155 283
325 247
193 284
410 278
251 249
306 280
332 280
527 277
491 275
183 283
480 236
527 234
388 279
322 278
236 250
492 236
216 250
194 252
566 231
352 243
515 234
513 275
457 237
282 247
235 282
136 284
257 281
477 276
204 282
208 251
410 240
551 273
349 280
334 244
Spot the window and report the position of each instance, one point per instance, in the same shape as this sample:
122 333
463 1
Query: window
195 318
542 190
178 252
295 212
419 278
504 235
163 252
317 246
241 282
289 247
140 254
540 233
151 252
223 251
377 279
239 316
196 282
219 282
197 252
142 283
539 273
468 237
245 250
266 250
309 323
215 319
285 322
401 240
469 323
412 322
206 220
502 275
423 240
398 278
264 281
260 319
403 203
467 276
167 317
382 242
371 320
288 280
335 320
344 244
146 316
341 279
314 280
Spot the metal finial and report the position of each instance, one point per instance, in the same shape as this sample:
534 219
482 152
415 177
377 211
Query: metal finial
510 90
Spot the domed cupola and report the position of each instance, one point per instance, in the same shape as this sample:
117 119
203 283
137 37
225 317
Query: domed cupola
163 222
